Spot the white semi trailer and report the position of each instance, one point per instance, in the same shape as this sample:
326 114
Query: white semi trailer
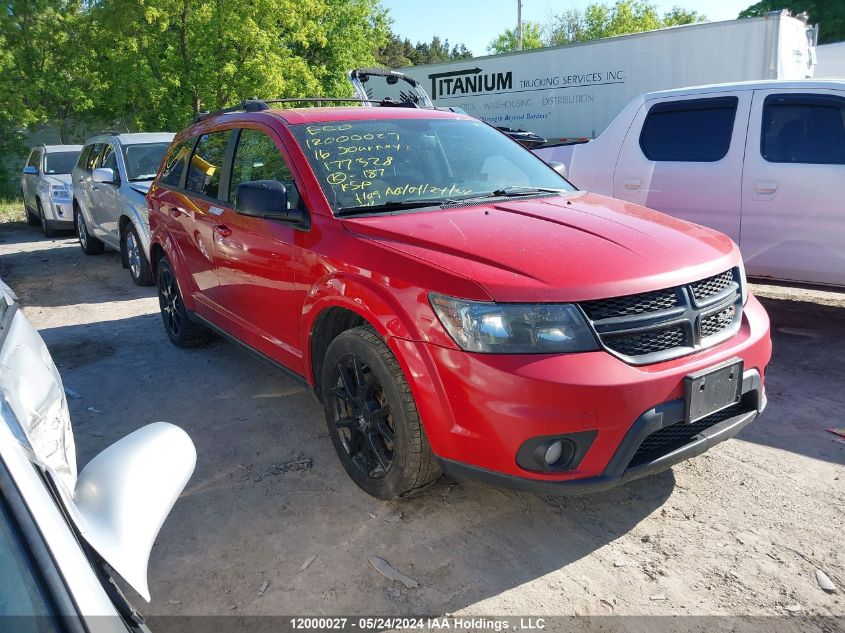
575 91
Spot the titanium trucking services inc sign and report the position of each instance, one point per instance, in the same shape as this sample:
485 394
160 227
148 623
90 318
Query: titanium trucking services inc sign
504 93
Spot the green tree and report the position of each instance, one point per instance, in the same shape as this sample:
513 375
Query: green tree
828 14
398 53
507 41
621 18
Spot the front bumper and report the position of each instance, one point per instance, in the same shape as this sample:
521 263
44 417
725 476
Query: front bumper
479 409
58 213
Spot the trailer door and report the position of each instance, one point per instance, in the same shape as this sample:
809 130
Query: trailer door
683 156
793 218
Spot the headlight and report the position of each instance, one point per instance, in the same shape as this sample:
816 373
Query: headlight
509 328
59 191
743 282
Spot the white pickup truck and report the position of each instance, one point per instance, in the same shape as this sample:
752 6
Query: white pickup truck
763 162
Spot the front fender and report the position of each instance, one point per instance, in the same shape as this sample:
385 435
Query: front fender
139 220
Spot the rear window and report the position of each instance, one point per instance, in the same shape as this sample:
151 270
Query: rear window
694 130
803 129
60 162
175 162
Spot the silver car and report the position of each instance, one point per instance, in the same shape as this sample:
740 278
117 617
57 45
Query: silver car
110 182
63 534
46 187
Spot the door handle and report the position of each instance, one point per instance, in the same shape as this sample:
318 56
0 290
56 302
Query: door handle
175 212
765 186
633 184
96 188
222 230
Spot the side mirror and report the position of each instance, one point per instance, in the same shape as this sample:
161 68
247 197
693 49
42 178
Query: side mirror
29 170
266 199
103 174
558 167
124 494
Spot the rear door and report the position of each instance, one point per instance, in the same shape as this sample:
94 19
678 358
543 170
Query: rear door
197 213
683 156
254 256
793 217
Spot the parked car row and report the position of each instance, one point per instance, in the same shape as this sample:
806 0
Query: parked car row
99 191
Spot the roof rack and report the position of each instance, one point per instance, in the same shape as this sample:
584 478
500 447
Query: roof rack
257 105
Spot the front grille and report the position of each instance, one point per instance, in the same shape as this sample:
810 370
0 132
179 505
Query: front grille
631 304
676 435
712 285
717 321
654 326
647 342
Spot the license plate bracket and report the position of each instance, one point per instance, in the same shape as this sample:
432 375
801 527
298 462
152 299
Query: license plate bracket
713 389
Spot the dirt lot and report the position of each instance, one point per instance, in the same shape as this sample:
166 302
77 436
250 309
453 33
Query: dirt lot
739 530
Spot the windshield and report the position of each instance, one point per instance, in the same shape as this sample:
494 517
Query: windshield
362 164
60 162
142 160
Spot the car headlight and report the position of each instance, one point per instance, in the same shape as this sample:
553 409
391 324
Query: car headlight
510 328
743 282
59 191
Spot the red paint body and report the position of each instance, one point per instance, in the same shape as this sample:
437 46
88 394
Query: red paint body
265 283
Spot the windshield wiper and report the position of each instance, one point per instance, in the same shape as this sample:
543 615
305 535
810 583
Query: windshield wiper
514 191
392 205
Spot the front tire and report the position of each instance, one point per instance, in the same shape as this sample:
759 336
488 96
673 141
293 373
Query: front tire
45 229
372 417
181 330
90 245
139 267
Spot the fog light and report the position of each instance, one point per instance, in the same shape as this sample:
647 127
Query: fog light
553 452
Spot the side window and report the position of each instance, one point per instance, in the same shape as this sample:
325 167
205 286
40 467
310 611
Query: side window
258 158
34 159
109 160
174 164
93 157
803 129
207 163
82 161
694 130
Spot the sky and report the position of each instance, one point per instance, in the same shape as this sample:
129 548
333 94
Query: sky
477 22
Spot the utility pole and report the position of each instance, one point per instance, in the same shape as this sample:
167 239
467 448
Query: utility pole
519 25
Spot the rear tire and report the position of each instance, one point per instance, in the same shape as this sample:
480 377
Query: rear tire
45 229
181 330
372 417
90 245
139 267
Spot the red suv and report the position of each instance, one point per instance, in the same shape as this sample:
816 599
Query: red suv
456 305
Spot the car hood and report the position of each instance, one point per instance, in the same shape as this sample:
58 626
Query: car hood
141 186
58 178
560 248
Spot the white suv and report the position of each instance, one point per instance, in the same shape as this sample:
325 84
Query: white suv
110 182
46 187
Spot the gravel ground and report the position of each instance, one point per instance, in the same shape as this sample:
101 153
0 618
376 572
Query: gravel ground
739 530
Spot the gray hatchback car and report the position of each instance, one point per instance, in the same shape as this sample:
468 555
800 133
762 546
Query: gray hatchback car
110 182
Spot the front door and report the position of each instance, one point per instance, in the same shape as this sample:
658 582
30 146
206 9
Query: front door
254 256
793 217
29 182
105 209
683 156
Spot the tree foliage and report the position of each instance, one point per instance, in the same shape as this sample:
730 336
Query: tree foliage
594 22
507 40
828 14
397 52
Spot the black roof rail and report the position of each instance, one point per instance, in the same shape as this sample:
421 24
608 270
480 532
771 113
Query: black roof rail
258 105
253 104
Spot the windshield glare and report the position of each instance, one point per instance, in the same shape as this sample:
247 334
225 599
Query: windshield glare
367 163
142 160
60 162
